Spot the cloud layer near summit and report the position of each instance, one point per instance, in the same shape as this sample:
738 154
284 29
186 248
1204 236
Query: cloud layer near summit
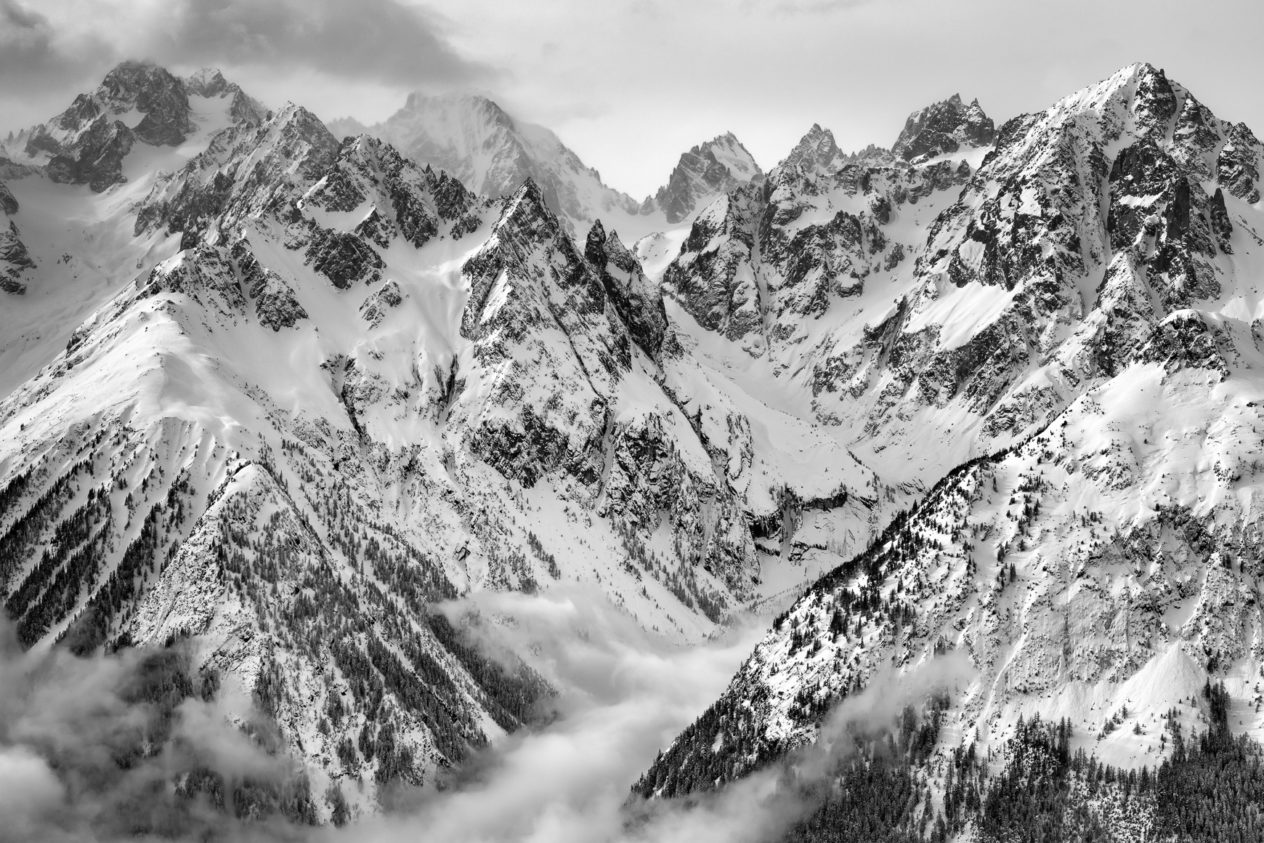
630 84
384 41
310 50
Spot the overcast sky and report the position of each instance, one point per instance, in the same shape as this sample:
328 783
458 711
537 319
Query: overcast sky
629 84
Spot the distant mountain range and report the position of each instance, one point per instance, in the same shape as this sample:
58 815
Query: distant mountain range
280 388
492 153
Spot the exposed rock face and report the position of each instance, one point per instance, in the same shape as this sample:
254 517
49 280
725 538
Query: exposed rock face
635 297
1059 259
1075 299
528 286
358 389
550 406
713 277
761 263
155 93
276 305
943 128
399 198
94 157
380 303
86 144
358 385
476 141
15 260
709 169
226 183
8 204
344 258
816 152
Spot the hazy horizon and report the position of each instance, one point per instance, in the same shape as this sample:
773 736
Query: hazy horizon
764 70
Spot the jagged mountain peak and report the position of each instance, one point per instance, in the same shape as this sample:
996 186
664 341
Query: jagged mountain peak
728 151
637 300
942 128
1140 103
245 168
491 151
609 241
359 386
293 139
704 172
1082 283
136 101
144 87
132 80
208 82
299 119
1140 88
817 150
528 210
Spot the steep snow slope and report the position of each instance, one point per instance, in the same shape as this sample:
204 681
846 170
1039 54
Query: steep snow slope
336 389
1097 283
492 153
285 395
79 242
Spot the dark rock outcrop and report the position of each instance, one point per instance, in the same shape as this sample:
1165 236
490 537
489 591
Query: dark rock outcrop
708 170
637 301
344 259
942 128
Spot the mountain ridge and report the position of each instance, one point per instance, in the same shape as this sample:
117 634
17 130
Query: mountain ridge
1073 566
293 394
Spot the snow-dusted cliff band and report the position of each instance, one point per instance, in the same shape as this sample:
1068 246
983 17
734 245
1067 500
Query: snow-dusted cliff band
284 403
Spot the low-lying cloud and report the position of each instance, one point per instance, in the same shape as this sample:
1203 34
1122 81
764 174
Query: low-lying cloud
93 750
624 695
72 731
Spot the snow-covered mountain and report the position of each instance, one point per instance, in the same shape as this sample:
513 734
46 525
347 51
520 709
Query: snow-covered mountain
989 391
1077 327
135 103
313 389
493 153
943 128
708 170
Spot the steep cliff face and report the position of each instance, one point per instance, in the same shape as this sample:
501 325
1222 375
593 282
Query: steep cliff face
284 395
1083 303
944 128
339 389
709 169
15 260
957 301
793 267
492 153
136 102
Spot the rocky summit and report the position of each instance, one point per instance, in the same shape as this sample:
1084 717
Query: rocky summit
1074 311
984 405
